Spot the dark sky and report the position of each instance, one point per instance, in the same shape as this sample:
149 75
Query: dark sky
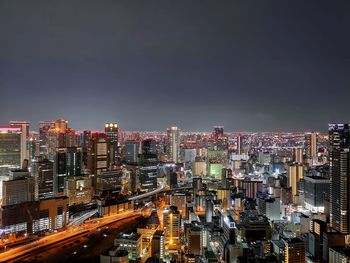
247 65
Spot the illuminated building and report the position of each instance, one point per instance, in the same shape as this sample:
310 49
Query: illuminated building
19 217
264 158
158 245
24 125
173 147
218 132
195 239
33 146
294 251
179 200
108 182
111 131
298 155
68 164
310 146
44 127
98 155
131 243
10 146
199 168
53 214
60 136
132 151
78 189
339 157
216 160
149 147
316 190
43 172
339 255
224 195
172 223
85 140
295 174
115 255
249 187
18 191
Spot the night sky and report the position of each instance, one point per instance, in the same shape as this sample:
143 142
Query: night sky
247 65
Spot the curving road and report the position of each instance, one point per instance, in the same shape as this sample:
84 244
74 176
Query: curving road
69 233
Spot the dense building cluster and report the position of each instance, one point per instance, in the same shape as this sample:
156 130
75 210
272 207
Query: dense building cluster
211 197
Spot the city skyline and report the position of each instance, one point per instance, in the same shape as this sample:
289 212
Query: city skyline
249 66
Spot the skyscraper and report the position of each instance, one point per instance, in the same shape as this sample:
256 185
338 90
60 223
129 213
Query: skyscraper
171 223
43 173
24 125
339 160
10 145
68 164
60 136
111 131
132 151
44 127
173 144
310 146
98 159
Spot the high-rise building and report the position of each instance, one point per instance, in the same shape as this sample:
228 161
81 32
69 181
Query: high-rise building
310 146
68 164
298 155
18 191
158 245
316 190
295 174
172 223
98 155
44 127
294 250
130 242
60 136
339 160
43 173
85 140
195 238
24 125
111 131
10 146
173 144
132 151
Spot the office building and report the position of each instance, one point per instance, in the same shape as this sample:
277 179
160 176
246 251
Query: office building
112 132
42 171
10 146
78 189
131 243
99 159
339 159
295 174
298 155
294 251
68 164
18 191
24 125
44 127
316 190
310 146
173 147
132 151
158 245
114 255
172 223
